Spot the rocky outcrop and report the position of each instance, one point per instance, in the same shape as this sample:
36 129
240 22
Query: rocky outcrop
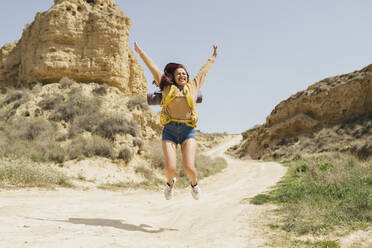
325 104
85 40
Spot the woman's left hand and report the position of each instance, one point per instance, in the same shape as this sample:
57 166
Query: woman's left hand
214 50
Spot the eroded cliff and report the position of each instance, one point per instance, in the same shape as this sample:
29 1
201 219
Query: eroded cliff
85 40
331 115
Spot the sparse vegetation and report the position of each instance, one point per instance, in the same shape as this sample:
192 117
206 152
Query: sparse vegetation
88 147
13 96
322 191
315 244
113 125
86 122
50 102
90 131
77 104
24 173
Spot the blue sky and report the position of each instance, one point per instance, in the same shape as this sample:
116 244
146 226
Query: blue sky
268 49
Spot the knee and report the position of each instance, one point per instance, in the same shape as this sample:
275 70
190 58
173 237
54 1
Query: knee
189 167
171 167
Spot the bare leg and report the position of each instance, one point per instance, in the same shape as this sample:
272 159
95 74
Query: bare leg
170 154
188 149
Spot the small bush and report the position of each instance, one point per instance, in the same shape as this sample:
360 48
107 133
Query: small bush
3 90
102 90
66 111
125 154
138 143
56 153
66 82
33 129
137 102
113 125
13 96
86 122
50 102
88 147
99 146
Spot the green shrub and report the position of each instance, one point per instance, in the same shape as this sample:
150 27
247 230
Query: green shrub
260 199
316 244
325 166
332 191
3 90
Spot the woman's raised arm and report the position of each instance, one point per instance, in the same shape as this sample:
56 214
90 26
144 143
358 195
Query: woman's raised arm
156 73
200 77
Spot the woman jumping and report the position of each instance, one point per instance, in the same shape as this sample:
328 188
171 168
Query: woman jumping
178 116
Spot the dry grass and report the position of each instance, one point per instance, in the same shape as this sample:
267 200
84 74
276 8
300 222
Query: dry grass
86 147
76 104
113 125
25 173
50 102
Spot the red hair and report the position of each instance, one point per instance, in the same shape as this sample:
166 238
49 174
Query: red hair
168 76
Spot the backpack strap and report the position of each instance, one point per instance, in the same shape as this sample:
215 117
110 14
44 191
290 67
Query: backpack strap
165 118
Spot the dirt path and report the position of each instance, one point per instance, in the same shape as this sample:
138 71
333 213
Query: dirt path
70 218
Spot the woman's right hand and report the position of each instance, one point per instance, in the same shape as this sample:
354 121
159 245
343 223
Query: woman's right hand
214 51
137 48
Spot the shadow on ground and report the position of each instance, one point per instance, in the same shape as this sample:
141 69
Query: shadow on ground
119 224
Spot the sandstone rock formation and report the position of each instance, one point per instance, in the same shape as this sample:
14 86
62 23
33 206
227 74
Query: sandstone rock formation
85 40
326 104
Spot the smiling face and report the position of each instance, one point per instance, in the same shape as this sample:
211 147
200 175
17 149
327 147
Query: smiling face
180 77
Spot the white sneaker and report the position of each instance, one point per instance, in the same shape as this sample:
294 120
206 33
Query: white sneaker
169 190
195 192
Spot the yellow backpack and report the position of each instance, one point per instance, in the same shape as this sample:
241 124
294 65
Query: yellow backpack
165 118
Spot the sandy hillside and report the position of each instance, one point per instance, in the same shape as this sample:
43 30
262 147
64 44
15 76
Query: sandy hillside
71 218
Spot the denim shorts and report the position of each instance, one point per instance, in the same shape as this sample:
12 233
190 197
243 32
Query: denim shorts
178 132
